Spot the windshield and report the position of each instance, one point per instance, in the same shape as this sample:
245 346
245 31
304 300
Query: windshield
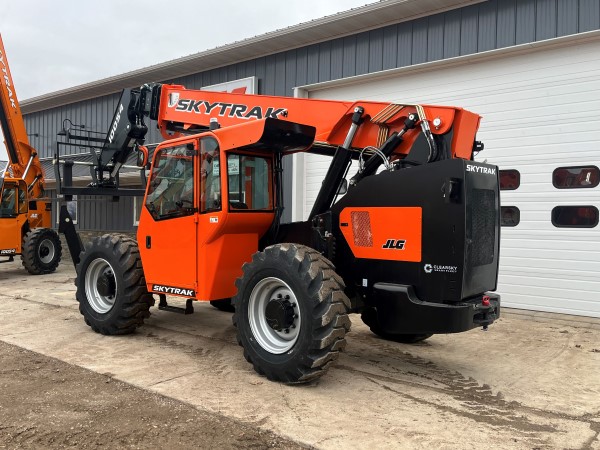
8 201
13 199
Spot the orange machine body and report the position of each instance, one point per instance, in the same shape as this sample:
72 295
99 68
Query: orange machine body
209 246
188 109
367 232
21 204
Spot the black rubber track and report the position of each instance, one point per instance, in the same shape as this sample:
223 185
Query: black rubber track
30 253
369 317
132 301
323 306
223 305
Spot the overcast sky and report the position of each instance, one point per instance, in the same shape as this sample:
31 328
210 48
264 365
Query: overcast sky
57 44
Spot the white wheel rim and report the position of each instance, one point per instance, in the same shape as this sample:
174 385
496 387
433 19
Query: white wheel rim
46 251
271 340
99 303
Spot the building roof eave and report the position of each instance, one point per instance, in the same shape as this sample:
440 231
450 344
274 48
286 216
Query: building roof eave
374 15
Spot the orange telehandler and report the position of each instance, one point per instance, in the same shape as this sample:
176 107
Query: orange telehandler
410 240
25 215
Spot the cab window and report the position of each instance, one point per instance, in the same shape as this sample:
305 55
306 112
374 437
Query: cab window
210 175
249 183
8 202
14 200
22 198
171 187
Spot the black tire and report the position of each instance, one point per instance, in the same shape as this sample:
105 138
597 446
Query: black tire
369 317
42 251
315 294
111 288
223 305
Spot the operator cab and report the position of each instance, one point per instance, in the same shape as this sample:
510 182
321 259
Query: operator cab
210 199
171 188
13 200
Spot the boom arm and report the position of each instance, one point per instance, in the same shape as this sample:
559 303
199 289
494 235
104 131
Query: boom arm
23 159
178 109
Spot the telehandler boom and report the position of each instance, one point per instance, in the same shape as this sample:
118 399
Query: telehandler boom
25 215
410 242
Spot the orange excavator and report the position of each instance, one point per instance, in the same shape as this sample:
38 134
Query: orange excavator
409 239
25 213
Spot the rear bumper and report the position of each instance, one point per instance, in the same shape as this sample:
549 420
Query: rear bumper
400 311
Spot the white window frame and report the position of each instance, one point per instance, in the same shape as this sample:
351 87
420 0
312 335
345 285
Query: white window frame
136 199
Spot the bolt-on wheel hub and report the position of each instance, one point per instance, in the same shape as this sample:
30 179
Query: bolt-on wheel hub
274 315
106 284
46 251
280 314
100 286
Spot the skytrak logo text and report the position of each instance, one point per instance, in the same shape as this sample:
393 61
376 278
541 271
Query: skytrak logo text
173 290
481 169
7 81
229 109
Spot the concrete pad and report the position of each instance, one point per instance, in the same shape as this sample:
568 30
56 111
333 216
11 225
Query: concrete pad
531 381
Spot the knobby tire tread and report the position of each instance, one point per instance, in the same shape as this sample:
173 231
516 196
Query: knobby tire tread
29 254
328 303
136 302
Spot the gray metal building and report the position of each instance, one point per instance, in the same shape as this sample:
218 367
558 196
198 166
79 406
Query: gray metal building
385 35
530 67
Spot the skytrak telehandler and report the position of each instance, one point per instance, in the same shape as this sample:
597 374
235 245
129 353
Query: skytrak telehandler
25 215
412 245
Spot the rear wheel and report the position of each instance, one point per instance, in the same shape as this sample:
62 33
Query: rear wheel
290 313
111 288
41 251
223 305
369 317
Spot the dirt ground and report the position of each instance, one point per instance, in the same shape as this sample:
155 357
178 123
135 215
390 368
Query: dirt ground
531 382
46 403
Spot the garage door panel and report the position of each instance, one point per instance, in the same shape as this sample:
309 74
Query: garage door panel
560 256
550 304
526 244
578 155
537 275
585 298
540 111
558 284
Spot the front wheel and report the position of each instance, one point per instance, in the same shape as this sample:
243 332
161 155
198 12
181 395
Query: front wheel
41 251
290 313
111 289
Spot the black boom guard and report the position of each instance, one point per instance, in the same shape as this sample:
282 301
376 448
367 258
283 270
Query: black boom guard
400 311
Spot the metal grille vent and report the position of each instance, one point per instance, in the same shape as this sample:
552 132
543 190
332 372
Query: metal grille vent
483 226
361 228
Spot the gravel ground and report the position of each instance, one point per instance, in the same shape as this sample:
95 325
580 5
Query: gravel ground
46 403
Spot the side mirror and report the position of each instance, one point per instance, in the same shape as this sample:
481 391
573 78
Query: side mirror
343 189
142 156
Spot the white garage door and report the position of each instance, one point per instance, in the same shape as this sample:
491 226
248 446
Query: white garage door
541 111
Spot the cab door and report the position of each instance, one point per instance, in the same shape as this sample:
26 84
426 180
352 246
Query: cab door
168 228
13 215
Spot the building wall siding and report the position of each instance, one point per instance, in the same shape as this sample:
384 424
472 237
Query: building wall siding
98 213
476 28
